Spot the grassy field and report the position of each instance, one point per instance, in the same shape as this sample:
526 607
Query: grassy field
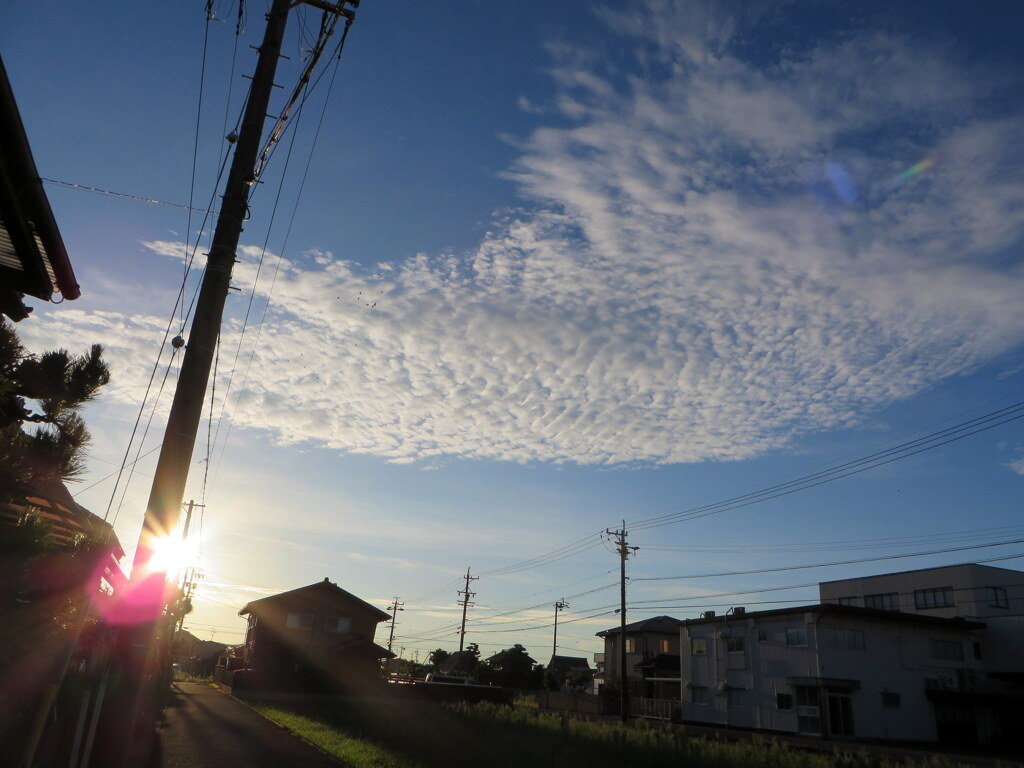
407 735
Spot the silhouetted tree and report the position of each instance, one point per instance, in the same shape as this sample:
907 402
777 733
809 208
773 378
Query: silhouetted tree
45 394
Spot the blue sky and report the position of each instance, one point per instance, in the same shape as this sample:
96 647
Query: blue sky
553 270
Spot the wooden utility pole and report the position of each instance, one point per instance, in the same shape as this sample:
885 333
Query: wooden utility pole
466 595
624 550
395 607
561 605
171 475
168 488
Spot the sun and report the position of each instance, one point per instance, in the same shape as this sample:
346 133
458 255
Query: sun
171 554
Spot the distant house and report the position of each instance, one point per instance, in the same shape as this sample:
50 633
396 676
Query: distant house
646 641
195 656
315 638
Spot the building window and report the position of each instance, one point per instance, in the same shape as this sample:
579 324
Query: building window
699 695
977 650
933 598
762 635
784 700
889 601
698 646
796 635
890 700
839 637
808 709
664 646
848 601
630 645
946 650
737 697
299 621
997 598
734 644
337 624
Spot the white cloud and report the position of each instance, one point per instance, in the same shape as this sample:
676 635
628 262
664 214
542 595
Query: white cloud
694 280
1017 466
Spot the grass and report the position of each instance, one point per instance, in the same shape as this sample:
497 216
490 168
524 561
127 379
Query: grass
422 735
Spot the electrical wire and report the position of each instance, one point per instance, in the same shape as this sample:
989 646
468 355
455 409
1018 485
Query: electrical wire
872 461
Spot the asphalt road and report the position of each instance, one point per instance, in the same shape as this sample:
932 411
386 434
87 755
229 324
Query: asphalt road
204 728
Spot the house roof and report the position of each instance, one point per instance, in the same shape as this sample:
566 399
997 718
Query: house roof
322 589
663 662
570 663
852 611
33 259
664 624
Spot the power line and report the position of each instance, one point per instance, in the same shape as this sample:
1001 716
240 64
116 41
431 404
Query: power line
829 565
872 461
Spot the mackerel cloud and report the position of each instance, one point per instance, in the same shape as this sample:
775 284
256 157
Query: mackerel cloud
708 263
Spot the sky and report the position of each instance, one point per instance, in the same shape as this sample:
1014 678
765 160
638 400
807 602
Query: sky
517 276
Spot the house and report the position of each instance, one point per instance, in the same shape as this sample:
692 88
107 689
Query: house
33 259
845 671
68 520
652 652
194 656
572 672
317 638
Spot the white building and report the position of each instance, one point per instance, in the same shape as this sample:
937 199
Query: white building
994 596
843 671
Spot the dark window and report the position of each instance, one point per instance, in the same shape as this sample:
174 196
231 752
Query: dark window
762 636
889 601
997 597
337 624
933 598
977 650
784 700
698 646
890 700
796 636
699 695
734 644
946 650
840 637
848 601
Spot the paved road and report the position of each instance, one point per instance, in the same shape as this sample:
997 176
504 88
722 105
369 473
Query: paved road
204 728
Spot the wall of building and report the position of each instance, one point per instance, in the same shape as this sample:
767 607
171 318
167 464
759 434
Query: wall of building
741 688
977 592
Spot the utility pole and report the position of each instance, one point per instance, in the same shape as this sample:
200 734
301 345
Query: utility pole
561 605
168 488
148 589
395 607
466 595
624 550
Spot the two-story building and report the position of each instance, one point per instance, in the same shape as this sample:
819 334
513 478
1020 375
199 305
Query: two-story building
841 671
652 657
315 638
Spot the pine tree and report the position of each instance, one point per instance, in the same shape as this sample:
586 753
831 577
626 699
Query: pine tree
42 435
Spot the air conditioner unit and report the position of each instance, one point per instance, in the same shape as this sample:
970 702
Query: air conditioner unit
721 686
949 682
